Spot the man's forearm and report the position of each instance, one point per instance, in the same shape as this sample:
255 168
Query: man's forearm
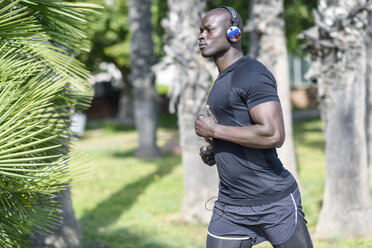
255 136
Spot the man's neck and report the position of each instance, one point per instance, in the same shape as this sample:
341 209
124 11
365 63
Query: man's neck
227 59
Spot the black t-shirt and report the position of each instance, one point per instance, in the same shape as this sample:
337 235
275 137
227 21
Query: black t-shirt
248 176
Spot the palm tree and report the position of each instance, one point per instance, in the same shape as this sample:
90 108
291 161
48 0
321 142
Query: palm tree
369 95
188 93
40 86
337 45
144 93
267 43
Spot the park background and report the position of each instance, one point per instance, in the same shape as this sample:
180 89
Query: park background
146 185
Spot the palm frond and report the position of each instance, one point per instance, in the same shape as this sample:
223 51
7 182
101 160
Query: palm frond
40 86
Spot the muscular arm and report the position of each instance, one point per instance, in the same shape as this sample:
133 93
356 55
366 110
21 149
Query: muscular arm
267 132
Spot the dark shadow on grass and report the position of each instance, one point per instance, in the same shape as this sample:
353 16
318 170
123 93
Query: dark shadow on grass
95 221
320 145
125 154
132 152
109 125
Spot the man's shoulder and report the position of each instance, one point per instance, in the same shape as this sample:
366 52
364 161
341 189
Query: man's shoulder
251 66
251 70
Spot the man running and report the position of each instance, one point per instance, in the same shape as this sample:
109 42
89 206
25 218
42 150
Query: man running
258 198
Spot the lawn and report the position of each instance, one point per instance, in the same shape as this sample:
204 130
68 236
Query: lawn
128 202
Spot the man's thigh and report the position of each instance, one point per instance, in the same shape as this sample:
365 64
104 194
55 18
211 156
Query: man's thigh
300 238
213 242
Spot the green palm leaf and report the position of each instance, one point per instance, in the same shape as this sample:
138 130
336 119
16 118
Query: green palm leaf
40 86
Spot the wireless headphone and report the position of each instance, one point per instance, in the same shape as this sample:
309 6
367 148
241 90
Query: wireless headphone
233 33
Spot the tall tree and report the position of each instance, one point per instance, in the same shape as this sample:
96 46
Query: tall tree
40 85
188 96
143 79
337 44
267 43
67 233
111 43
298 17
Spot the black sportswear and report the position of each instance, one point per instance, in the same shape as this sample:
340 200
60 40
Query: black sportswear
248 176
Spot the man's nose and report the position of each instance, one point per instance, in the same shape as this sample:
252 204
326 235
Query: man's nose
201 35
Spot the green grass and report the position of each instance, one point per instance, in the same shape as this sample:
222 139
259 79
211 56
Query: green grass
162 89
309 145
133 203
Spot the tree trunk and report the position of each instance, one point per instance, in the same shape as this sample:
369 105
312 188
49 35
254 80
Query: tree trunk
338 43
267 43
125 113
200 180
145 96
68 234
369 94
188 95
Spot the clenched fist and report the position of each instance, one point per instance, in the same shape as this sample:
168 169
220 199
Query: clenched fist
207 154
205 125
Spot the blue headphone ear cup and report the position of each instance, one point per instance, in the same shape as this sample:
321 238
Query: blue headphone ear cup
233 34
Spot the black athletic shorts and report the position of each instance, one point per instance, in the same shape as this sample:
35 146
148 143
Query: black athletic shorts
274 222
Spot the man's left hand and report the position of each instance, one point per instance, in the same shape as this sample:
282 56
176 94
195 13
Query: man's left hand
205 125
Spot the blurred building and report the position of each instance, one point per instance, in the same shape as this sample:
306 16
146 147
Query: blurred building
304 93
